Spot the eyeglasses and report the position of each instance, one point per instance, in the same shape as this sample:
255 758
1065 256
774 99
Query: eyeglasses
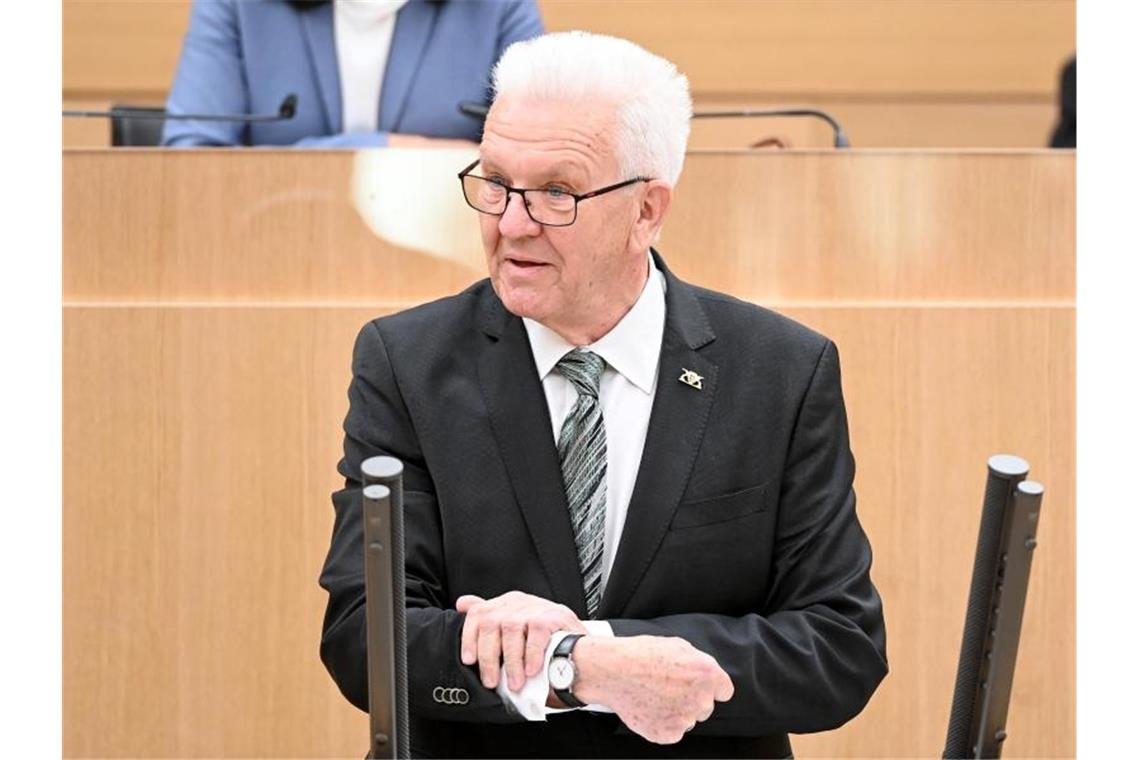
552 206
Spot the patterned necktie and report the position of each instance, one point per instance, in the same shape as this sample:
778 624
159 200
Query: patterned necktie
582 452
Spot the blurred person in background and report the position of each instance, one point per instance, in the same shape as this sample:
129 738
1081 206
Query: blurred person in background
367 73
1065 133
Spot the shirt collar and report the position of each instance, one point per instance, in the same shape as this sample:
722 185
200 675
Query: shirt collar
632 347
371 12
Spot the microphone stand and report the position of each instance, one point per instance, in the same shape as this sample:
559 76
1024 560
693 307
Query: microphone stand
287 110
385 607
479 111
841 140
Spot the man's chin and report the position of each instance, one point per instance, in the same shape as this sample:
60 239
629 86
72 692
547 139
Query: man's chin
522 302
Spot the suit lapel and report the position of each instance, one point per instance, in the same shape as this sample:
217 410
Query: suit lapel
521 423
320 43
676 428
414 25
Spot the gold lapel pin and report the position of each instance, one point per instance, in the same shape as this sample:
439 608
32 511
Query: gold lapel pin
690 378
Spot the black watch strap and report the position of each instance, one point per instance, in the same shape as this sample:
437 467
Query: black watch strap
564 649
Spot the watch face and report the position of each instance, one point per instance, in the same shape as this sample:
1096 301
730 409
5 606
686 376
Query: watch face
561 673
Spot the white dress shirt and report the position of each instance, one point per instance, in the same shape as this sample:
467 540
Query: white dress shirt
632 350
363 31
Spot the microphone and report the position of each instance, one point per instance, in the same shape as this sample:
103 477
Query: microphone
473 109
479 111
287 110
840 136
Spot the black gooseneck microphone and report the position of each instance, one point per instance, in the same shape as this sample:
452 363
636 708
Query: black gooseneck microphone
840 136
479 111
287 110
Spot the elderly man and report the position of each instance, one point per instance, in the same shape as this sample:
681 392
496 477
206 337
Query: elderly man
631 529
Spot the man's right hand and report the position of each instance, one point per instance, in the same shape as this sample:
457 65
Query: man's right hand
512 631
660 687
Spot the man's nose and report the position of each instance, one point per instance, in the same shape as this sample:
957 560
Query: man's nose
515 221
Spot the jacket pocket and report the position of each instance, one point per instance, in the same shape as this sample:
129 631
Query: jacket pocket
718 509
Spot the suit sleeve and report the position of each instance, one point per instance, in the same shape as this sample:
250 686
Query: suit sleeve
810 660
521 21
345 140
210 79
379 423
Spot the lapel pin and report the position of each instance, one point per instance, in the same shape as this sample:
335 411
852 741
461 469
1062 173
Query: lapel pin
690 378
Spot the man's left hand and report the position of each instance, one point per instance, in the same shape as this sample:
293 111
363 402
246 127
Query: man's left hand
513 630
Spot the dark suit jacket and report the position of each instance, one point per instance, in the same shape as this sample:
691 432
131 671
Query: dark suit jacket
741 535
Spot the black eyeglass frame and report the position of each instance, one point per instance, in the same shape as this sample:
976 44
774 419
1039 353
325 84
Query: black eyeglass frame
578 197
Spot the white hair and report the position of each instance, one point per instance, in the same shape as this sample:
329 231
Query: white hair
651 96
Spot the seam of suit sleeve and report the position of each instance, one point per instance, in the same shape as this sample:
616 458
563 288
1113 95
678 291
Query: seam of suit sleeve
455 669
807 392
408 411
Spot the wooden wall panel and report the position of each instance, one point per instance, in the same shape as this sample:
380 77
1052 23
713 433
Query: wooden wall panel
210 303
887 123
931 393
86 132
121 48
201 446
866 47
793 226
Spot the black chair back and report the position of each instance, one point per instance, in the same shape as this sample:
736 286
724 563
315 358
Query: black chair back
131 130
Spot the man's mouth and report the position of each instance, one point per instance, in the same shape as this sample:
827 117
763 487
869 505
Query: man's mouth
525 264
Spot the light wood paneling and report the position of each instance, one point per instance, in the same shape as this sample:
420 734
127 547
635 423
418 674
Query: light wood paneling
874 226
201 443
201 448
86 133
281 225
867 47
888 123
121 48
913 73
204 392
931 394
793 226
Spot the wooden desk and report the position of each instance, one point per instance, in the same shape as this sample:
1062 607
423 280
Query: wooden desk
210 302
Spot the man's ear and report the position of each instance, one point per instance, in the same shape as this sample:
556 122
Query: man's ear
651 214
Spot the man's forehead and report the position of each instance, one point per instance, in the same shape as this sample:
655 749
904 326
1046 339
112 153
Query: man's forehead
549 168
565 133
551 111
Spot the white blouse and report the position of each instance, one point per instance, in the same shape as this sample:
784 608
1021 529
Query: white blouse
363 38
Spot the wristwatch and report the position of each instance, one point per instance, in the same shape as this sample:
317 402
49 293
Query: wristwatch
563 673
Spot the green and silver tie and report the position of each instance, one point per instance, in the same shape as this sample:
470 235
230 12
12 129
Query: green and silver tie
582 452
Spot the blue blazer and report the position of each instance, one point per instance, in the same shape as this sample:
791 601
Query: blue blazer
242 56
